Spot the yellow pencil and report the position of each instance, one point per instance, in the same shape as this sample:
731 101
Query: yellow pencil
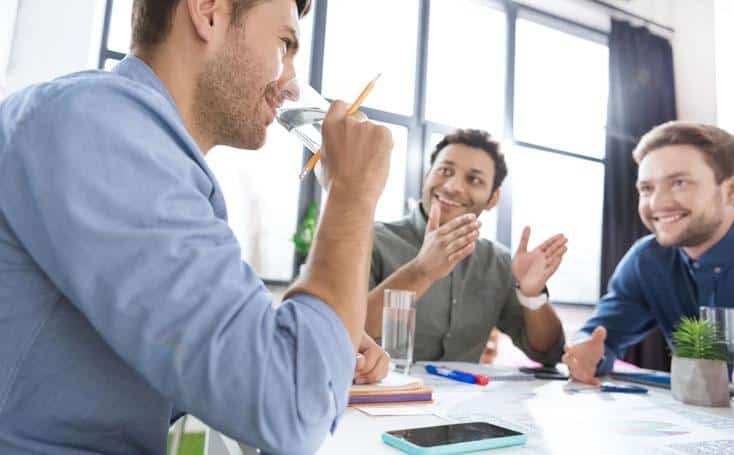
352 109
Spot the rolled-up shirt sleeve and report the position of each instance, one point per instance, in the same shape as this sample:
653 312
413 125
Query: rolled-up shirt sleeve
623 311
112 206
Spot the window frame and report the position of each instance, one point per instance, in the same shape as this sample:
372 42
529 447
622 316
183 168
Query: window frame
418 127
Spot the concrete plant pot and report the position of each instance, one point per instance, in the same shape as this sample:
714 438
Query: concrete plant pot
700 382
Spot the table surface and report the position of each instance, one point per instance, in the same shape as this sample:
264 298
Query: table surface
557 416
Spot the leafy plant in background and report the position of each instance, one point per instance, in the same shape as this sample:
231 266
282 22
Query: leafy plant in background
303 237
699 339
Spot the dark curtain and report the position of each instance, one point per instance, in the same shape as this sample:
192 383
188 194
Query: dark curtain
641 96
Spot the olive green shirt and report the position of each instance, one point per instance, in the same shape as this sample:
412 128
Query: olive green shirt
455 316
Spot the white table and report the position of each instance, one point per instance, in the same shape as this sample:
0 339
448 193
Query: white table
555 419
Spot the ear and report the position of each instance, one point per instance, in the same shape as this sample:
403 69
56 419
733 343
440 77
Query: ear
493 200
205 16
728 186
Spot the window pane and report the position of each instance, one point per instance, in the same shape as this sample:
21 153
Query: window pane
120 28
568 202
466 65
561 87
254 182
391 203
390 206
367 38
487 217
110 63
303 58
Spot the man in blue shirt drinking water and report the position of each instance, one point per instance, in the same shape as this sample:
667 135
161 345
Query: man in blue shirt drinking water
122 291
686 187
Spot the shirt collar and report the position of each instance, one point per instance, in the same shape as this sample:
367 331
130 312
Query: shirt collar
719 255
136 69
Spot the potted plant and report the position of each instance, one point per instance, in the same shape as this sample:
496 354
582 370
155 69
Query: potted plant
303 237
698 372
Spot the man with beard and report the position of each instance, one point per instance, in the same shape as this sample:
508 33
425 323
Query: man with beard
686 187
122 291
465 285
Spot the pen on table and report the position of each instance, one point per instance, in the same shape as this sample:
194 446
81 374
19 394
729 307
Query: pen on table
462 376
352 109
622 389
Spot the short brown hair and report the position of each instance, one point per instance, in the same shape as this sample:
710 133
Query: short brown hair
481 140
716 144
152 19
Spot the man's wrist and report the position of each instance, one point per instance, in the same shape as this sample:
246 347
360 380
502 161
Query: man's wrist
419 272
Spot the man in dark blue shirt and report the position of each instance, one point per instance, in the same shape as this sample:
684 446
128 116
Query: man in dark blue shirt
686 187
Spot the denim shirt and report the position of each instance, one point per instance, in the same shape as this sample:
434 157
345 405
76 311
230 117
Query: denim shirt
122 290
655 286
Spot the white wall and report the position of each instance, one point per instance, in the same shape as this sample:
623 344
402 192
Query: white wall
724 13
52 38
694 50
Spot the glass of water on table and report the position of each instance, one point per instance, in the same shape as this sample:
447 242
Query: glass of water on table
398 328
723 320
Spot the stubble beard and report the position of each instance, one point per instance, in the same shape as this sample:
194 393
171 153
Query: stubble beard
227 101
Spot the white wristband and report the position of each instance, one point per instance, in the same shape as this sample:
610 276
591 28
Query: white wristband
532 303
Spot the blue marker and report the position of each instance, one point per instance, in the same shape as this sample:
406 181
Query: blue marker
607 387
455 375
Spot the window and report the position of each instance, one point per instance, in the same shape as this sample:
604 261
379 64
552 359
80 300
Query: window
561 86
536 82
556 166
560 194
120 26
254 184
355 51
466 65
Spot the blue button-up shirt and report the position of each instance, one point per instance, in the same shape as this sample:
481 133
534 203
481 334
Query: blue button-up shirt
122 290
655 286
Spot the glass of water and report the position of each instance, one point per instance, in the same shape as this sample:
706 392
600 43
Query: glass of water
303 115
398 328
723 320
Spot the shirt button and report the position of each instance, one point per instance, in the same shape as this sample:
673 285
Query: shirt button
453 301
696 265
717 269
448 335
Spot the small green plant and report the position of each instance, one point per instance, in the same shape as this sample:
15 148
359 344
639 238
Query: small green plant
304 236
699 339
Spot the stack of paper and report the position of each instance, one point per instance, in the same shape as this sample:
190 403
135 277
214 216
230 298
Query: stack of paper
395 388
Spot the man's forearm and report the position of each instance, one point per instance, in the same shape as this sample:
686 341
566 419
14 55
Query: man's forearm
543 327
338 264
408 277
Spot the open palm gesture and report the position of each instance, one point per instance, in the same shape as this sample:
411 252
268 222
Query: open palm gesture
533 268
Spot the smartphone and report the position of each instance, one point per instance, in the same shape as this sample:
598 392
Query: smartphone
454 438
544 372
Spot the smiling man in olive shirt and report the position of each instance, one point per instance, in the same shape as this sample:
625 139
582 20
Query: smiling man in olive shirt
465 285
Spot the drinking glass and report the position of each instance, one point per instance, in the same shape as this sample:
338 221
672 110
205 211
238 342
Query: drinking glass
398 328
723 320
304 115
